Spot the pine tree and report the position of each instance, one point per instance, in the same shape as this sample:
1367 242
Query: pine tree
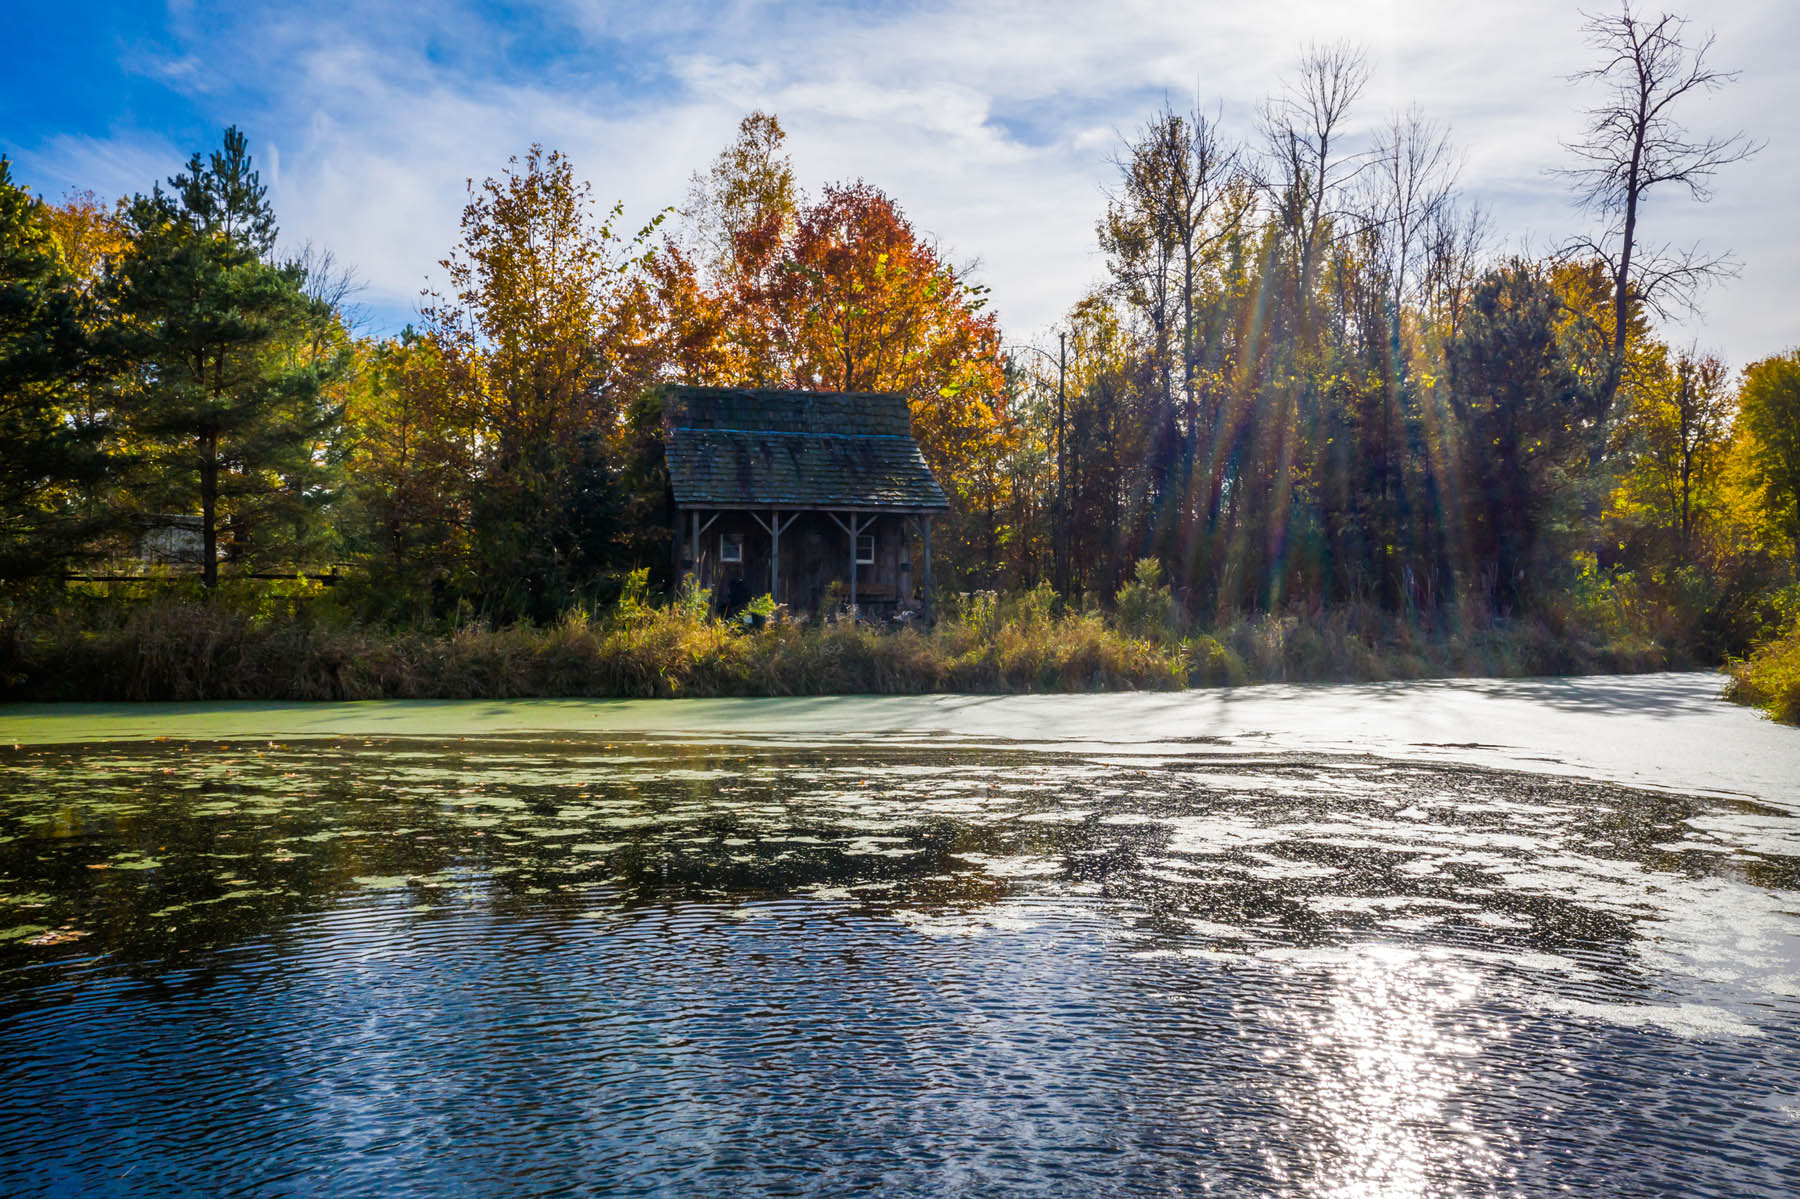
219 382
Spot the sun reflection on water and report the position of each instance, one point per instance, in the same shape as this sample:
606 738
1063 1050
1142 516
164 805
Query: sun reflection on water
1379 1076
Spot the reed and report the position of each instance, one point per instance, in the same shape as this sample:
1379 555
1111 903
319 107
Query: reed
194 650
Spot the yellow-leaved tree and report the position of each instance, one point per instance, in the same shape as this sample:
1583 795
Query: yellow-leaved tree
534 356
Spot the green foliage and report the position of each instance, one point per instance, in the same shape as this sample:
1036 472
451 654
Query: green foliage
1520 399
217 376
1771 425
1033 609
691 600
1210 663
52 467
223 196
634 606
976 611
1146 607
1770 678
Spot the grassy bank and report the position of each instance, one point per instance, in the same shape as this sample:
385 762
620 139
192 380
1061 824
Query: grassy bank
1770 678
196 651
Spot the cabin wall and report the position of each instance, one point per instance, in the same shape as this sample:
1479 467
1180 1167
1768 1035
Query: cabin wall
815 553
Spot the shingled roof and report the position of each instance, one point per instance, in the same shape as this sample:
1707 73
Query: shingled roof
731 447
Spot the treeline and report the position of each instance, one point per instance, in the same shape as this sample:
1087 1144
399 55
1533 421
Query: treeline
501 460
158 357
1308 382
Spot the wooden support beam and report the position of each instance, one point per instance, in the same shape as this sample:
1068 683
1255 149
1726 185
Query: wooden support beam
774 527
928 612
855 527
694 546
696 556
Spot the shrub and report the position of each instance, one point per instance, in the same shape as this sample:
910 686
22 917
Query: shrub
1770 678
1210 664
1146 607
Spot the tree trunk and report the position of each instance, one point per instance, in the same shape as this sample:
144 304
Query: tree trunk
1615 368
209 510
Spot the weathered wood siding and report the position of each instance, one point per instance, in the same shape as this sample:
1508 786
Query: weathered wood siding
815 553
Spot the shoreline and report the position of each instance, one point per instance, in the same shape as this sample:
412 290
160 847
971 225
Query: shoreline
1657 731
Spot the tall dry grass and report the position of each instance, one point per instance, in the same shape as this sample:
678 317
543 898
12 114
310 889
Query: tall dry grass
185 650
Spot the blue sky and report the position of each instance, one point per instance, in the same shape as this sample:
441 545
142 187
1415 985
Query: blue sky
993 124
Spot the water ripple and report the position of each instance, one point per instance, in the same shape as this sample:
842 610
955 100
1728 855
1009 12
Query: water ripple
569 968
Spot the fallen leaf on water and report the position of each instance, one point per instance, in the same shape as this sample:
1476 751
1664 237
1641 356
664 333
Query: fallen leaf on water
57 936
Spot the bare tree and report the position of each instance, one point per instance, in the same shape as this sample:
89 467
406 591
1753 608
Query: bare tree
1305 131
1633 144
1181 198
330 282
1412 184
1455 246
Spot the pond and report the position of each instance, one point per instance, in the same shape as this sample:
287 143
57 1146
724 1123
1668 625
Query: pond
1007 947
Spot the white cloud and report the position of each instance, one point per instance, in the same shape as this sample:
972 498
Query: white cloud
991 123
123 163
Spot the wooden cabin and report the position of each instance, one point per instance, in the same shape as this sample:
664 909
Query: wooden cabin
788 492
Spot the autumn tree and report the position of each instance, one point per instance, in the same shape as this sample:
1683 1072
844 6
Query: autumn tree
89 235
717 287
544 342
409 490
744 207
1770 417
772 288
1169 227
1114 401
866 305
216 382
1679 426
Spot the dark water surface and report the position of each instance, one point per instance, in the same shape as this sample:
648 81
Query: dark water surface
580 965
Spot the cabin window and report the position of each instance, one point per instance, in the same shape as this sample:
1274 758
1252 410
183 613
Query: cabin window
731 547
865 549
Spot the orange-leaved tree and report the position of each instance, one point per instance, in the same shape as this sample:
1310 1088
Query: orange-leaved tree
861 303
840 293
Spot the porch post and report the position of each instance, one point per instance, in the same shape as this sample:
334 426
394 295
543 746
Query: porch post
775 556
695 548
853 531
928 580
